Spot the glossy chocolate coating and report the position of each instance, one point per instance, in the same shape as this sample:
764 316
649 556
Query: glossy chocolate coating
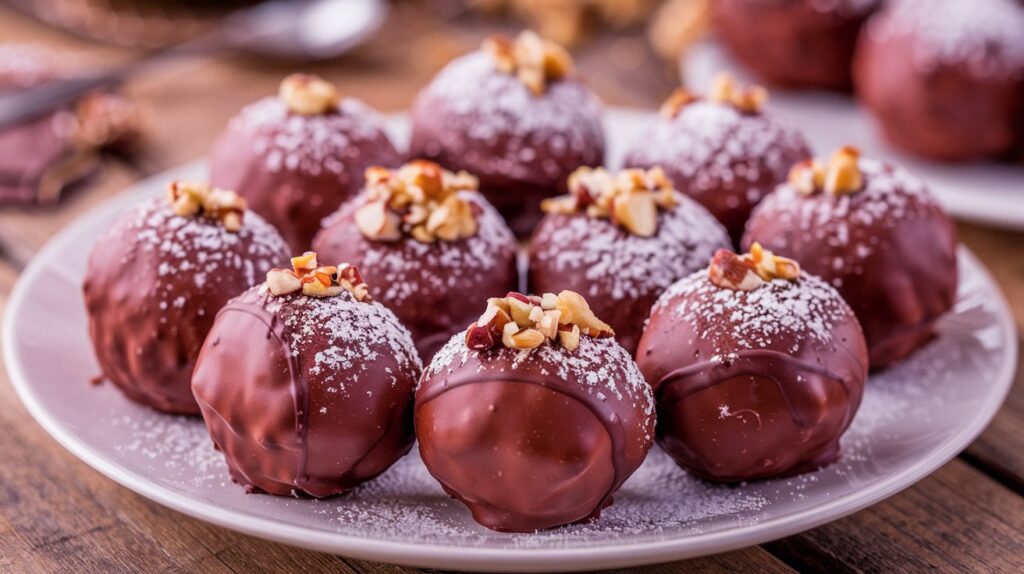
944 78
307 396
154 284
889 249
294 170
621 274
533 440
725 159
426 284
522 146
794 43
753 384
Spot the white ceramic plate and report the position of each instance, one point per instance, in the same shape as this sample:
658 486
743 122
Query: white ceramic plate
981 191
914 419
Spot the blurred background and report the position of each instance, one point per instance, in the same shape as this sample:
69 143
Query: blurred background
381 52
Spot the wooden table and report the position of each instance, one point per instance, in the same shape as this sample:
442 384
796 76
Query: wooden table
57 514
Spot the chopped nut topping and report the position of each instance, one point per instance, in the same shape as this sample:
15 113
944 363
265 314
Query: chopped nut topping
200 199
679 99
522 322
308 95
314 280
534 60
630 199
420 200
807 176
749 271
841 176
725 90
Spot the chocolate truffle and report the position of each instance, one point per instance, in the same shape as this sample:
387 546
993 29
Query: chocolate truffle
424 237
514 115
945 78
874 232
157 279
724 151
298 156
621 240
535 416
306 384
794 43
757 368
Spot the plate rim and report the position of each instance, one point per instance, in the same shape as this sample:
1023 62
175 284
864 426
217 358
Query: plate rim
426 555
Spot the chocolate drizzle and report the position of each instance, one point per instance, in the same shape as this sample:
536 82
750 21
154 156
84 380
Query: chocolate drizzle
333 421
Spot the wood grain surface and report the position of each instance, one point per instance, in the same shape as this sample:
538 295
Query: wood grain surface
58 515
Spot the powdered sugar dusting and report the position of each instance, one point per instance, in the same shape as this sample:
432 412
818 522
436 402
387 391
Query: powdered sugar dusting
714 146
307 144
626 266
988 36
341 337
737 320
198 247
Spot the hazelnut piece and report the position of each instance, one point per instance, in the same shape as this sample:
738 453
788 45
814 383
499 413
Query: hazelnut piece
843 176
308 95
679 99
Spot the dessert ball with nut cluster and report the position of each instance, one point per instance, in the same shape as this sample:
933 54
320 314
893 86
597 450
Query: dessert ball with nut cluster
725 150
874 232
945 78
306 384
514 115
794 43
424 238
534 417
157 279
621 240
296 157
757 368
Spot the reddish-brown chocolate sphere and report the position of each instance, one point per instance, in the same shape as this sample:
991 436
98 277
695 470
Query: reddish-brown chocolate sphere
888 248
794 43
521 144
945 78
296 168
619 272
753 384
154 284
722 156
307 395
425 282
533 439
